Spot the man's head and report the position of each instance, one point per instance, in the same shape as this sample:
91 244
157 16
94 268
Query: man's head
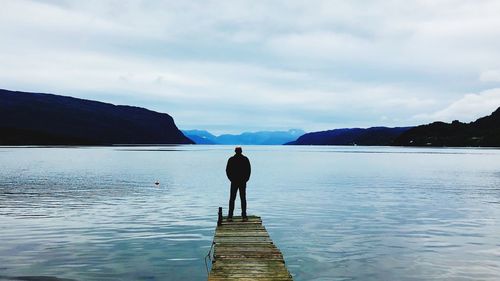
238 150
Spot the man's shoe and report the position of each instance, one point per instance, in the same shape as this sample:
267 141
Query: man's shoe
229 219
245 219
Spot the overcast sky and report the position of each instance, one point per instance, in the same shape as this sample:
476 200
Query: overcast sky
233 66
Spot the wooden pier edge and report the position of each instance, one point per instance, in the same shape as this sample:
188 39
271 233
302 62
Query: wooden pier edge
243 251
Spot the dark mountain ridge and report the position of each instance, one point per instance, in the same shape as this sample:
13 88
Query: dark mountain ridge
351 136
48 119
484 131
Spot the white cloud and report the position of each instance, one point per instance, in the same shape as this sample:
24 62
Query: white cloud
469 108
490 76
315 64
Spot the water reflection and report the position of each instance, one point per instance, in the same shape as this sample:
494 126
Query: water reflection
337 213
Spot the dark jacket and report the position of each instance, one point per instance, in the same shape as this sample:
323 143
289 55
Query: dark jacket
238 168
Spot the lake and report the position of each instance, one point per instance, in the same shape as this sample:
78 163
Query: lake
336 213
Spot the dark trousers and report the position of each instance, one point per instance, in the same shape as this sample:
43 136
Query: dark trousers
241 186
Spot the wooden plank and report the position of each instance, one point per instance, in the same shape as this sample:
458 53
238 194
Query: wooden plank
261 249
238 223
245 227
243 251
248 263
252 278
243 239
258 248
227 267
241 228
241 234
282 274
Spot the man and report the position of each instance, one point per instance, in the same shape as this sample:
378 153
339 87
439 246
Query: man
238 172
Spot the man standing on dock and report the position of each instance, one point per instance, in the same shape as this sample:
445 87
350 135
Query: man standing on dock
238 172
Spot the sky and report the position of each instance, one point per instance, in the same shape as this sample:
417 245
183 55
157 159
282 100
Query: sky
234 66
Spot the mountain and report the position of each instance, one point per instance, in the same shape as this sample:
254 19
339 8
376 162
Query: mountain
351 136
484 131
200 136
262 137
46 119
246 138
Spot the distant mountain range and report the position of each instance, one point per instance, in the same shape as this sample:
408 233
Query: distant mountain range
484 131
351 136
200 136
246 138
47 119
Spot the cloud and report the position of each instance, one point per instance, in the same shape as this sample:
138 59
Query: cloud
252 65
469 108
490 76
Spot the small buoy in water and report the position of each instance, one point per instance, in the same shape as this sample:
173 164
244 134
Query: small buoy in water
157 183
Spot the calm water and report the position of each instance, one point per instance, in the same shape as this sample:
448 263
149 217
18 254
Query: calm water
337 213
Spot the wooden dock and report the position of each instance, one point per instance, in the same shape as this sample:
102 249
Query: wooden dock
243 251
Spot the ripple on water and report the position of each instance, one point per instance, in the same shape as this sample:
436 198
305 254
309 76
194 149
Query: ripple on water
337 213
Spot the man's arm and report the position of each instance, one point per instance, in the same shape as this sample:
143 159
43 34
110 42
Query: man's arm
228 169
249 169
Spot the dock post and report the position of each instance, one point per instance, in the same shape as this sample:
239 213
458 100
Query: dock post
219 219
